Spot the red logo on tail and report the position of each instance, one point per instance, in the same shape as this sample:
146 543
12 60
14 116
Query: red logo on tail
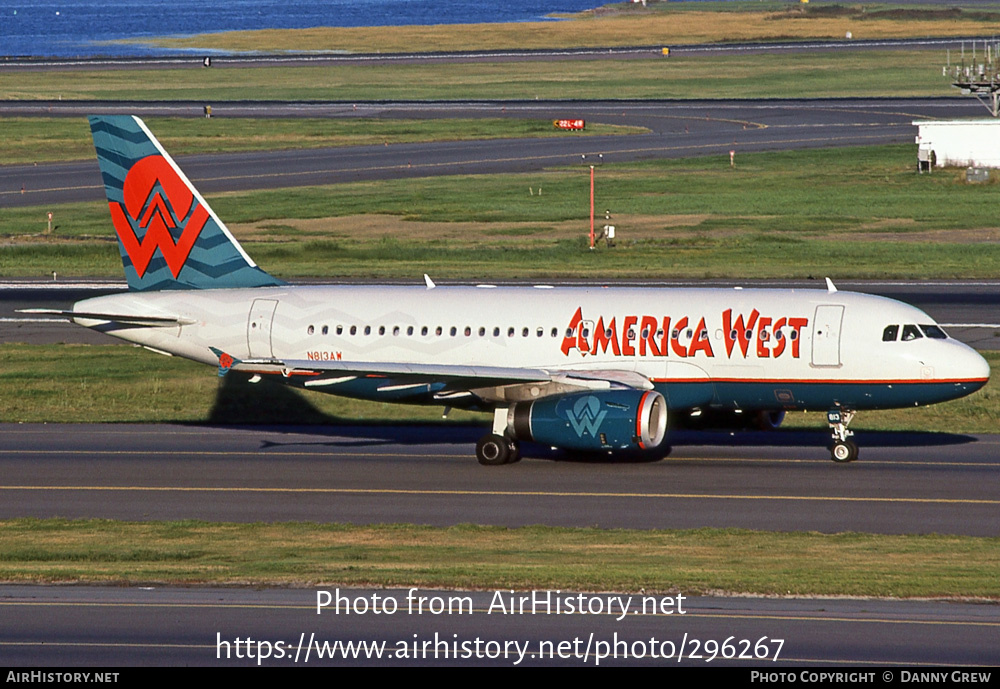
158 211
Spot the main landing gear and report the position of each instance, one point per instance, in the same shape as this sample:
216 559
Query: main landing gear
497 448
843 449
494 449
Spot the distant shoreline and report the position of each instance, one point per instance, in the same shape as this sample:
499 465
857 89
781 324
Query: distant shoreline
102 30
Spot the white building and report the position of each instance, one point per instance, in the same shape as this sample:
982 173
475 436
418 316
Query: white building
959 143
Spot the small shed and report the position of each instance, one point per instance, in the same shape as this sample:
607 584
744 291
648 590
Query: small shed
958 143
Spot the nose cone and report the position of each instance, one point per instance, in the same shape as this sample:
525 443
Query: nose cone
967 368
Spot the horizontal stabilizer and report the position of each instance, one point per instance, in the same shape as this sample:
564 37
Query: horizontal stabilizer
125 319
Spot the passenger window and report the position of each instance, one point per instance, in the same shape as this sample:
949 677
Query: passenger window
911 332
496 332
934 332
890 333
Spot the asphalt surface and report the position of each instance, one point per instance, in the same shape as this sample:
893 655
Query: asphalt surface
677 129
904 483
427 474
117 628
191 60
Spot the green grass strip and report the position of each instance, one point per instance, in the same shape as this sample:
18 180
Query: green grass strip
855 74
845 213
483 557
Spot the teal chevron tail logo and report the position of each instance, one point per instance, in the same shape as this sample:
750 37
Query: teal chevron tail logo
168 236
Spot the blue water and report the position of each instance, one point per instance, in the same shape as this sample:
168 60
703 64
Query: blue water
74 28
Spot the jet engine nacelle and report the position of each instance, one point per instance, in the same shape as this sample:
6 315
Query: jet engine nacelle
590 421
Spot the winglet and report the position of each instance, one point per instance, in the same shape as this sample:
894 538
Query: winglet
830 287
427 281
226 361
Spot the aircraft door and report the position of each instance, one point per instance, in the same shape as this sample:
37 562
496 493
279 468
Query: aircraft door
826 335
259 326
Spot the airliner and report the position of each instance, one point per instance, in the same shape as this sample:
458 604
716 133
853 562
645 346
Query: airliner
585 369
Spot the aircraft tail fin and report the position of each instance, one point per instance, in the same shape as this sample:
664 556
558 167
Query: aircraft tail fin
168 235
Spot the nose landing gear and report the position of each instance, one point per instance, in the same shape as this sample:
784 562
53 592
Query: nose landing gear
843 449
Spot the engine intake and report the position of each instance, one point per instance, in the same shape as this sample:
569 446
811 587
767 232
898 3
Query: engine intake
604 420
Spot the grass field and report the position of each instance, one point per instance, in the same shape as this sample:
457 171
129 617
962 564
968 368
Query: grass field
910 73
843 213
480 557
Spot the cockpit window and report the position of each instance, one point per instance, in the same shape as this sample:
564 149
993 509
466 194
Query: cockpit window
911 332
890 333
934 332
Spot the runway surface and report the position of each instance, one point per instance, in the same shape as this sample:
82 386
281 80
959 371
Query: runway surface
118 628
427 474
677 129
190 59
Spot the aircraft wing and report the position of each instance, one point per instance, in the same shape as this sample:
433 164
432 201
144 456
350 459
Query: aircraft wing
458 377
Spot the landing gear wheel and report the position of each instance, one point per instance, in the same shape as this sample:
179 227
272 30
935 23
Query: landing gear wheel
845 451
492 450
513 451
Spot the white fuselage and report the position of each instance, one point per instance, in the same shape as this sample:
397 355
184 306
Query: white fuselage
737 348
